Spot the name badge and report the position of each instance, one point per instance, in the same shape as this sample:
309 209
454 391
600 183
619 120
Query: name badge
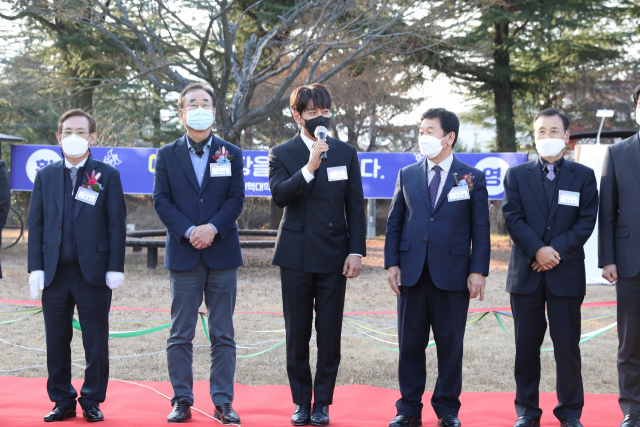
569 198
458 193
87 196
220 170
338 173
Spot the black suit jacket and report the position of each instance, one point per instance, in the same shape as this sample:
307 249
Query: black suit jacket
619 222
5 198
100 229
323 221
532 225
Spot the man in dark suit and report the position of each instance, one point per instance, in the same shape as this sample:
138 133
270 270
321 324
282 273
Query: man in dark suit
76 255
438 210
198 193
321 242
5 198
550 207
619 238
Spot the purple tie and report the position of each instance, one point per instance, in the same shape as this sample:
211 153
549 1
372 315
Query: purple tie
433 187
551 174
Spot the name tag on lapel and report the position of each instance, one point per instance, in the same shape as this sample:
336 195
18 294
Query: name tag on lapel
458 193
220 170
569 198
338 173
87 196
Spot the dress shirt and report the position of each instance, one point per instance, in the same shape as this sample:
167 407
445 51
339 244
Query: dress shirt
445 165
200 168
68 165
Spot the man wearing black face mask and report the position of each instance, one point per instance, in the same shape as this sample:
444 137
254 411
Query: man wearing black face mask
321 242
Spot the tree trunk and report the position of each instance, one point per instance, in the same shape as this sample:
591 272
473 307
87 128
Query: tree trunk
372 128
84 100
503 91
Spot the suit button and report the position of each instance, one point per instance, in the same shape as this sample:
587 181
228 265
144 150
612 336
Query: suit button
60 226
58 246
199 222
308 222
431 219
424 240
330 225
332 202
548 228
201 200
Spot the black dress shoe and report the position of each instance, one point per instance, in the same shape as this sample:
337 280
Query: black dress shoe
181 412
527 422
302 415
59 413
320 414
92 413
631 420
449 421
225 414
405 421
571 422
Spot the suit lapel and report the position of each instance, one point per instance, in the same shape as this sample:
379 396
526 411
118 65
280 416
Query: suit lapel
207 174
181 151
564 181
89 167
421 183
534 176
57 180
633 154
333 159
456 167
300 152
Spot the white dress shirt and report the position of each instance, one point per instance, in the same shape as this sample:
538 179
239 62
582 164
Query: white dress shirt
445 165
68 164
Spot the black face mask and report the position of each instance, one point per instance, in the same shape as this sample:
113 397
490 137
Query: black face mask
311 125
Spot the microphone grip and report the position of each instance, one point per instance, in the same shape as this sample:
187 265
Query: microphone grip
323 156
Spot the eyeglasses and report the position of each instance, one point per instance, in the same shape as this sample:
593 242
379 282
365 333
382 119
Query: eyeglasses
194 105
553 133
80 133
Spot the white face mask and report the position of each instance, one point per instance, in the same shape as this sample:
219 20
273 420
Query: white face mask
200 119
430 146
550 147
74 146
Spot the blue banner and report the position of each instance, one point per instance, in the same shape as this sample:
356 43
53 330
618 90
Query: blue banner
137 165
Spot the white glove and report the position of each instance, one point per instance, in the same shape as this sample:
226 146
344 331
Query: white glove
114 279
36 282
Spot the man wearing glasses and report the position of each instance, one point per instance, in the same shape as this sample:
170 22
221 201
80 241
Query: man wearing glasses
76 257
550 207
198 193
619 237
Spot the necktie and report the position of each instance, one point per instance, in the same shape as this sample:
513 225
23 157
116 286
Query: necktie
74 179
433 187
551 174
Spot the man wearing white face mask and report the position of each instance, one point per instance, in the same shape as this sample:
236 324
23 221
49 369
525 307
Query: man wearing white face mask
550 207
76 257
198 193
438 210
619 238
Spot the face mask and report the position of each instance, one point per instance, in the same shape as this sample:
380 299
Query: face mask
430 146
200 119
311 125
74 146
549 147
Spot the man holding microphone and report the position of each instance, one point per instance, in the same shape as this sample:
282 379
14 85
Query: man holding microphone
321 242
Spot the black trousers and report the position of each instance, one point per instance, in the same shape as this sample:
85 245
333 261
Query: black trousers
67 290
301 293
530 327
628 295
421 307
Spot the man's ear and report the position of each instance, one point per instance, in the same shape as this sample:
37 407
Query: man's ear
297 117
93 139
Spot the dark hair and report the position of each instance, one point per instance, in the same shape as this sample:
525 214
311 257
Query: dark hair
76 112
448 121
551 112
636 95
195 86
318 93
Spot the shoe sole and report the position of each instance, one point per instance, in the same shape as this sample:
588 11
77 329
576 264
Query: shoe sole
188 417
69 415
319 424
218 417
299 423
92 421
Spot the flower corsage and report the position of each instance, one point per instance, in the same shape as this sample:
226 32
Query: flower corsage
222 156
92 182
465 181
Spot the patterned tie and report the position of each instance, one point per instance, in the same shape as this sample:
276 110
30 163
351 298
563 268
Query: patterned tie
433 187
74 179
551 171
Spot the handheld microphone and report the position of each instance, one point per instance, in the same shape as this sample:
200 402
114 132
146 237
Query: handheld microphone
321 133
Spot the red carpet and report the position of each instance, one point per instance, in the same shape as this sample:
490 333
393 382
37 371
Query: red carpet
24 401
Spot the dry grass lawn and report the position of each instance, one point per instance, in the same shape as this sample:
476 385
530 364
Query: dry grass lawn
489 352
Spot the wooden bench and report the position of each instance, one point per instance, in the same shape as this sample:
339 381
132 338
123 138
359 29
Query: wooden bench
140 239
